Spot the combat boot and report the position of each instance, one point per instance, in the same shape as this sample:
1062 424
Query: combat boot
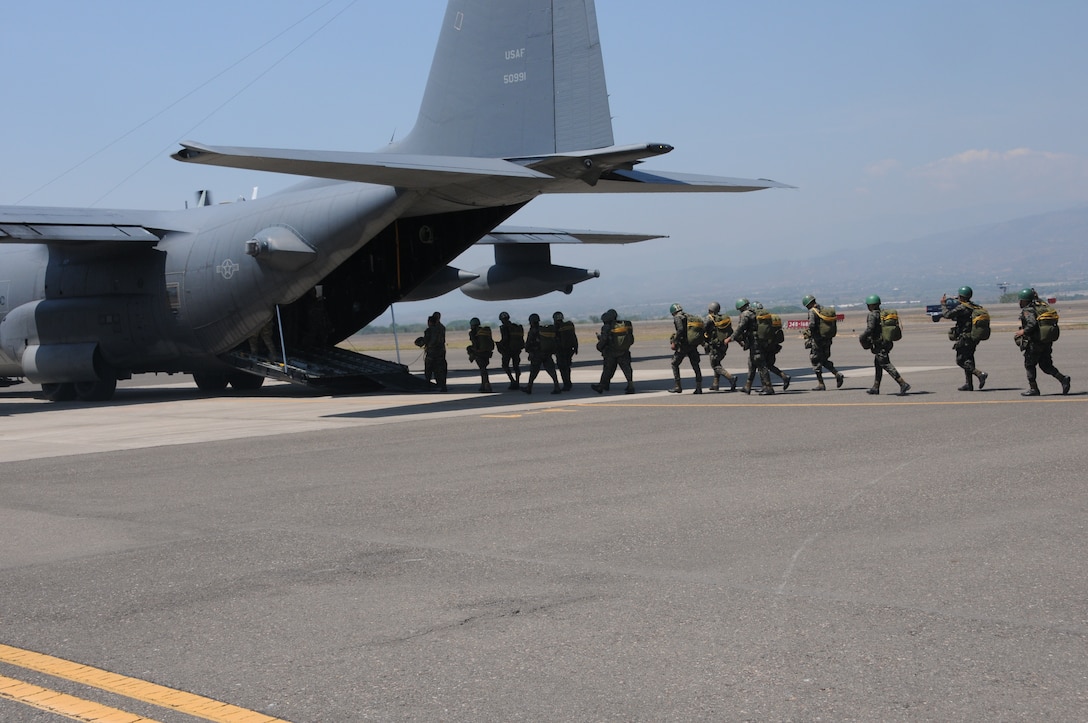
903 387
514 386
747 388
732 384
969 384
714 384
839 379
528 388
597 388
1066 382
630 389
785 381
766 391
677 389
1033 390
557 389
982 376
875 389
819 383
698 385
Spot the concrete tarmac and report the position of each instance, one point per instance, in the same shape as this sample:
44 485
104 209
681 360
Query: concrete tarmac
807 556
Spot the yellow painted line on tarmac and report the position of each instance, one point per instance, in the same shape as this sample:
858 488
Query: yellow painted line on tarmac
501 416
793 405
188 703
69 706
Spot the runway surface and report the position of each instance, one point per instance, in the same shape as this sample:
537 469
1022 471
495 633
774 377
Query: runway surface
811 555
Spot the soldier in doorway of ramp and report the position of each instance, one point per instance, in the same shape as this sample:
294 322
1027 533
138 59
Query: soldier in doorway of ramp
538 356
614 343
511 342
433 342
818 344
770 350
964 345
744 333
1038 352
873 340
264 336
316 324
718 329
683 348
480 348
566 338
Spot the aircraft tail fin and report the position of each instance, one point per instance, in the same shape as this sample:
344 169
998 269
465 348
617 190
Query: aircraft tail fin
512 79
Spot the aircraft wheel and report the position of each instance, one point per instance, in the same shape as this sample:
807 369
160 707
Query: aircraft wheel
245 382
100 390
210 382
59 391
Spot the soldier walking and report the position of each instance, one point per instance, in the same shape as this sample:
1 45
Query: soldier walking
614 342
963 336
480 348
1036 335
539 349
822 326
566 338
433 342
719 328
685 345
511 342
745 334
879 338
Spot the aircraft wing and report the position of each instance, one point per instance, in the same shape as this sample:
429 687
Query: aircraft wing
527 235
29 225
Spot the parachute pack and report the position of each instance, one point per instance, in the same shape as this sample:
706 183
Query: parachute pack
980 322
548 341
890 330
515 338
829 321
695 330
1047 316
769 328
720 328
568 338
484 343
623 336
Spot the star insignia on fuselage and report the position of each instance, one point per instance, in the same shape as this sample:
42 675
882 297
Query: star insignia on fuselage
227 269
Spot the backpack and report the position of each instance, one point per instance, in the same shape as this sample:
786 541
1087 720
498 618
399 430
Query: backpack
890 330
568 338
980 323
769 328
623 336
1047 316
548 342
829 321
720 328
695 330
483 341
515 338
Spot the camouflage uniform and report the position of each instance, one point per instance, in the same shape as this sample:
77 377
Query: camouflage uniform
683 349
613 357
881 353
479 354
745 333
819 349
433 342
566 338
1037 353
964 345
510 349
716 349
538 358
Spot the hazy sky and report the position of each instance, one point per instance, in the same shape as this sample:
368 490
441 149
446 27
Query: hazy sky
894 120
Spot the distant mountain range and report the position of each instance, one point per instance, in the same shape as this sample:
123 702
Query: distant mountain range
1048 251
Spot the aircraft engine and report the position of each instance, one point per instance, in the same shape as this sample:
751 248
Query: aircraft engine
502 282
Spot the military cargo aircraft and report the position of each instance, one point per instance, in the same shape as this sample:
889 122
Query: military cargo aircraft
515 106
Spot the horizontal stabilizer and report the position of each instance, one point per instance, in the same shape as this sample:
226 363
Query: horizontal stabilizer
631 181
387 169
528 235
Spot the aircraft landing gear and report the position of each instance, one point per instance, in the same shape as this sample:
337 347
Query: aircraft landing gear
98 390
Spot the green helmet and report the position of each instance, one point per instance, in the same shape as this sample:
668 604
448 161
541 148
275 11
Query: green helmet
675 309
474 321
741 303
609 316
872 299
808 299
534 318
503 316
714 307
966 292
557 317
1026 295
